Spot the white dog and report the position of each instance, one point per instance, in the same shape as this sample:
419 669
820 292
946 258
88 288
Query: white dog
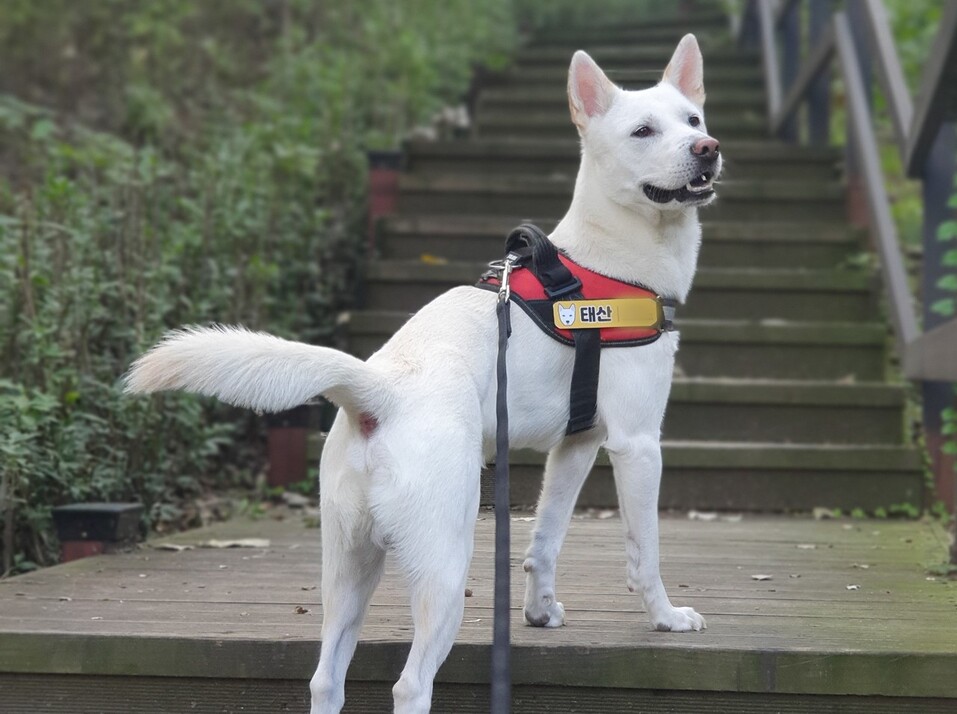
400 468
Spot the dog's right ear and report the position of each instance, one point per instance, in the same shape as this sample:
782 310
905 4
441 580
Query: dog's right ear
590 92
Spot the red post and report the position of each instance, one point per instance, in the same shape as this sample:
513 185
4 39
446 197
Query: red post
287 439
384 170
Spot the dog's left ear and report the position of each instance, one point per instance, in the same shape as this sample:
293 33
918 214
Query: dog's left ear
686 70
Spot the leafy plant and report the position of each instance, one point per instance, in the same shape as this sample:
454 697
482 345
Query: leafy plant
168 162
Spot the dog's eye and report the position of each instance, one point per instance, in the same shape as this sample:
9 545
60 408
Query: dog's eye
642 132
694 120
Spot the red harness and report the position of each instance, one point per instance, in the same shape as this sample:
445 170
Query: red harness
556 292
527 290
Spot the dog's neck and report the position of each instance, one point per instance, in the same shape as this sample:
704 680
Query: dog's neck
658 249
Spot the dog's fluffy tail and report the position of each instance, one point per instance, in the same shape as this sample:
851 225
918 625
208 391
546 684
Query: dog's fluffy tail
257 371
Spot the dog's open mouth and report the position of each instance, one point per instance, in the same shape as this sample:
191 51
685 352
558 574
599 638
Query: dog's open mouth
698 188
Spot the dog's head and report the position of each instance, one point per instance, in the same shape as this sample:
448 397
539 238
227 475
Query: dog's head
651 146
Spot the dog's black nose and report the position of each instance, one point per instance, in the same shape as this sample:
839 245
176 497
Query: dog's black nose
706 148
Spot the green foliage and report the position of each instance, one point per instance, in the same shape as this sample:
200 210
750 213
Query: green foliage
167 162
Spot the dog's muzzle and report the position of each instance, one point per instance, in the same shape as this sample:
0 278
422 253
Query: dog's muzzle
701 187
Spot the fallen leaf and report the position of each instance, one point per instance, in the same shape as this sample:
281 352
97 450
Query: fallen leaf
64 598
308 587
794 575
468 592
300 610
175 547
295 500
762 577
239 543
430 259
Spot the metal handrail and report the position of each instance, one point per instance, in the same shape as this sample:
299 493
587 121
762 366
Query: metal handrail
867 155
913 131
930 97
929 358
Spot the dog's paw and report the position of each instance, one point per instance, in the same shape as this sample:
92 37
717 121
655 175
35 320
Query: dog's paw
545 612
680 619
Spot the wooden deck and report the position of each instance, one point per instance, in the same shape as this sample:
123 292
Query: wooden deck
211 630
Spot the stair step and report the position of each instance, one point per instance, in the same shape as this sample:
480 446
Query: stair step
712 29
705 409
524 102
725 244
711 348
717 79
560 158
745 123
533 196
648 54
802 295
747 477
738 476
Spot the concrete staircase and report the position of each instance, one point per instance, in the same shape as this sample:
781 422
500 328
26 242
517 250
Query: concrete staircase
784 398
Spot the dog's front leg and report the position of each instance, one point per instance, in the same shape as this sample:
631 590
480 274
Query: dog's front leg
637 466
567 467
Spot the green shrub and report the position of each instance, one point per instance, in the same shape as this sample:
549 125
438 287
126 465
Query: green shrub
168 162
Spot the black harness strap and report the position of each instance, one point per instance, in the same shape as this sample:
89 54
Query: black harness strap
560 284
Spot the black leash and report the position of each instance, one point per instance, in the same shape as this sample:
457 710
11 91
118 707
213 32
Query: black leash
501 699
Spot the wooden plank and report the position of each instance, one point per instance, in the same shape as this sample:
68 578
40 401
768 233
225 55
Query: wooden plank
190 617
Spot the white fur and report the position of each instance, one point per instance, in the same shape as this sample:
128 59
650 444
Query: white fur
411 486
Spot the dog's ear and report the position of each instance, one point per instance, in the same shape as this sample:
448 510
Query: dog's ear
590 92
686 70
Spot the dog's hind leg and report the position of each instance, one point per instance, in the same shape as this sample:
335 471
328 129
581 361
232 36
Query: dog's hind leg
566 468
637 466
350 574
432 543
352 563
438 601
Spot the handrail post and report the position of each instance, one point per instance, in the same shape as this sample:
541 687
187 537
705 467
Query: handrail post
790 59
819 95
857 212
772 72
748 34
937 181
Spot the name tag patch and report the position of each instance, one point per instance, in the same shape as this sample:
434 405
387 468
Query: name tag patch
618 312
